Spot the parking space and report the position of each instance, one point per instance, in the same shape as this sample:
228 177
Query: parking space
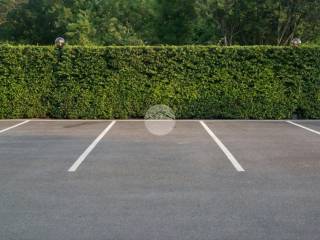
132 184
41 148
270 147
280 187
313 124
186 152
310 125
6 125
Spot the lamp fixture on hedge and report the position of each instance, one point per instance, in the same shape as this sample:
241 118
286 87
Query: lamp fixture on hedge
59 42
296 42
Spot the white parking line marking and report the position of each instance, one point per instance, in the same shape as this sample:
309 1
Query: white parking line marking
232 159
306 128
14 126
83 156
143 120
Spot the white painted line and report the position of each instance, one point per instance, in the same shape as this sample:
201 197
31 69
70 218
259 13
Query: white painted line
14 126
306 128
71 120
143 120
232 159
83 156
103 120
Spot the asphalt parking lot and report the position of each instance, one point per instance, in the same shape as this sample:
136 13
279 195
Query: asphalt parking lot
116 180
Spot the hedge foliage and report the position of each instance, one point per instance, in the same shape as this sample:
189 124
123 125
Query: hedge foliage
195 81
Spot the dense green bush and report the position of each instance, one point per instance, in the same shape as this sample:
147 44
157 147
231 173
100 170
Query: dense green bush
195 81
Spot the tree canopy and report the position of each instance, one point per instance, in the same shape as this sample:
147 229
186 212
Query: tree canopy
138 22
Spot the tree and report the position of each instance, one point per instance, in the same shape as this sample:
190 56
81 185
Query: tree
175 22
132 22
32 22
297 17
249 22
7 6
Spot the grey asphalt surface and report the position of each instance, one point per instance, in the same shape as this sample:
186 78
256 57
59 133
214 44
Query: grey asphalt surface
135 185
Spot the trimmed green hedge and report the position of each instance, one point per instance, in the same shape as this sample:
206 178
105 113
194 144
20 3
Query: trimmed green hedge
195 81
